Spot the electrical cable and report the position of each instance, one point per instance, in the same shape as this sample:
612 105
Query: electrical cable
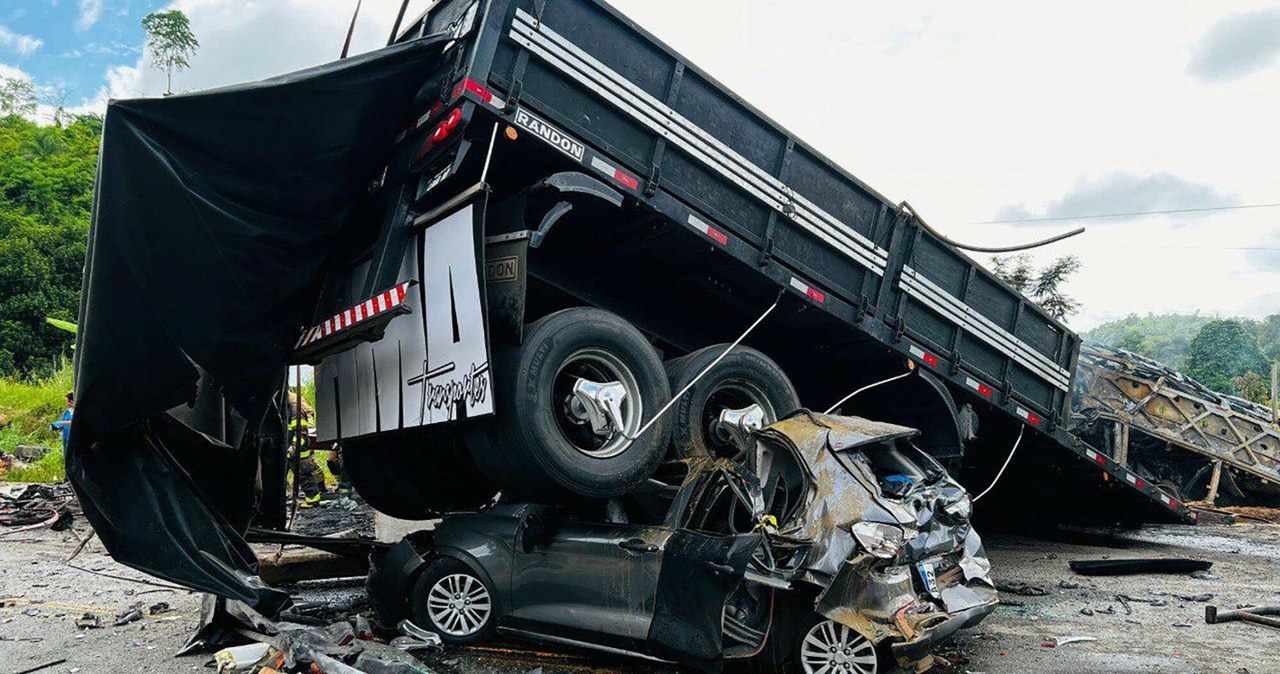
987 249
1017 442
1061 218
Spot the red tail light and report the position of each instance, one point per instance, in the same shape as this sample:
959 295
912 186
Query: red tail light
442 131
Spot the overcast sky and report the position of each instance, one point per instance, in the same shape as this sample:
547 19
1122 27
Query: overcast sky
974 112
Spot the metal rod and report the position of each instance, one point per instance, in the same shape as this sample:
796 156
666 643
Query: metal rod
1275 394
1214 480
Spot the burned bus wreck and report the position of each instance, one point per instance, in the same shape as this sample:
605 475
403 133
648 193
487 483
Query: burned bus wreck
841 546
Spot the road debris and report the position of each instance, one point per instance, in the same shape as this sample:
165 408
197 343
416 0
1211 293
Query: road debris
127 616
1259 615
1021 589
38 668
1054 642
35 506
1125 567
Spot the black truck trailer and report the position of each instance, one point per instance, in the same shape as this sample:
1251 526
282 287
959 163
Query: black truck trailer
577 222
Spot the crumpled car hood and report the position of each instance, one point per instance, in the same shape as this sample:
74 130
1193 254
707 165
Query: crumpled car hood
881 598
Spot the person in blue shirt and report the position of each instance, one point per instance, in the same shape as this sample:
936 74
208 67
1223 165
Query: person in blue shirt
64 424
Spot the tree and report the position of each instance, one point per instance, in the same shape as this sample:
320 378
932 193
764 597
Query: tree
171 43
46 192
1220 352
17 96
56 97
1043 286
1251 386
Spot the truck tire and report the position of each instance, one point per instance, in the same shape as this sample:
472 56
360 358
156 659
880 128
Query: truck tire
538 447
743 378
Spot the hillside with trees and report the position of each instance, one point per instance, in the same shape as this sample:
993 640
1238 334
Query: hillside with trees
46 193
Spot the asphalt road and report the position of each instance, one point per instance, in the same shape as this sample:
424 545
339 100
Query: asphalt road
41 597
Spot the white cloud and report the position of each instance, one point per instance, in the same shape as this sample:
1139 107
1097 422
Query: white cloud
1237 46
25 45
1121 193
90 12
9 71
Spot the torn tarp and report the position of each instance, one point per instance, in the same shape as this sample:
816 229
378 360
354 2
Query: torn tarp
215 217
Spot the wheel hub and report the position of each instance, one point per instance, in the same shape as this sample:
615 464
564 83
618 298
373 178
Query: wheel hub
832 648
459 605
599 405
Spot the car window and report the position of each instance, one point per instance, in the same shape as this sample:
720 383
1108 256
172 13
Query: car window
717 509
894 470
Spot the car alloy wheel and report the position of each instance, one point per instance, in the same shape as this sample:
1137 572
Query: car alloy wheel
832 648
459 605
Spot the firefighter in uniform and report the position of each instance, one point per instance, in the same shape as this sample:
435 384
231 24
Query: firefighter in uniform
309 476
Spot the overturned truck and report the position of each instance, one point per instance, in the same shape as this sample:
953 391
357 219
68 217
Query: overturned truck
533 251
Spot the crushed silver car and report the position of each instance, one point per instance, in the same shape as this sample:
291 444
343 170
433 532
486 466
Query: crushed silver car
838 548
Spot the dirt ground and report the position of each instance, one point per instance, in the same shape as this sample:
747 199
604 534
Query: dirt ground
1158 627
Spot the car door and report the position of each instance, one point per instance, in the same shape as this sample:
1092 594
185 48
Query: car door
588 581
704 560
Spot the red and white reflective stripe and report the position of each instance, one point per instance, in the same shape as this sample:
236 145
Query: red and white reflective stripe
711 232
928 358
1031 417
1097 458
615 173
475 88
812 293
1135 480
383 301
981 388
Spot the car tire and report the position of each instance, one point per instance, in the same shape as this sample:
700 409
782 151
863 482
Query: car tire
535 448
745 376
812 653
452 600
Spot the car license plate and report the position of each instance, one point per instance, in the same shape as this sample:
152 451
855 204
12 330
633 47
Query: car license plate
928 577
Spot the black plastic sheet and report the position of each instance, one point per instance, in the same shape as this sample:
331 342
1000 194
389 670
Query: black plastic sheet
215 217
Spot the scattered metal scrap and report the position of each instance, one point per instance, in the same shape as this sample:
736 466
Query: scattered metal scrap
276 647
1259 615
1135 392
1124 567
35 506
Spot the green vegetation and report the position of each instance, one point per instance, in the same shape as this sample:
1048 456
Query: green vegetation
1162 337
170 43
1043 285
1229 355
27 408
1222 351
46 191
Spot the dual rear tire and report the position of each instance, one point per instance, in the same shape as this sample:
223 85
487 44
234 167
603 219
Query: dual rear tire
544 444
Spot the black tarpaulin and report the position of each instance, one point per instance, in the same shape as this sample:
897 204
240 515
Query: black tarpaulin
215 217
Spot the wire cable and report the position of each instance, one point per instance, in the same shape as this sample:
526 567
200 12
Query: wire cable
705 370
1017 442
906 207
871 386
